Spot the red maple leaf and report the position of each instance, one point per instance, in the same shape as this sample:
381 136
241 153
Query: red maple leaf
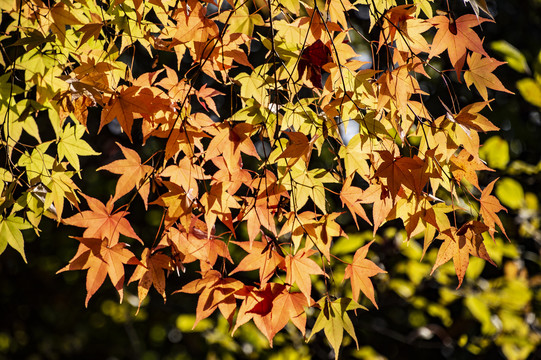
312 60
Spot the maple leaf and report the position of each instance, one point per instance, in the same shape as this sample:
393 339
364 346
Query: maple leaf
378 195
186 174
174 238
230 141
299 225
261 256
241 20
100 221
218 202
324 230
464 166
60 187
471 118
289 306
200 243
350 196
257 217
232 177
90 30
271 307
220 57
397 171
101 260
333 320
298 148
480 74
312 60
150 273
215 292
306 184
133 174
299 268
459 245
71 145
410 28
62 17
125 105
10 233
355 156
490 205
462 130
418 215
399 85
176 202
455 37
360 271
177 90
193 25
337 10
261 210
257 305
205 95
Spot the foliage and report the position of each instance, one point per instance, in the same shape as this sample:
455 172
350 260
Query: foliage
240 135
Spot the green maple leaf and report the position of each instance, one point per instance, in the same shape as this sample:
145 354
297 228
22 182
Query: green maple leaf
71 145
10 233
333 320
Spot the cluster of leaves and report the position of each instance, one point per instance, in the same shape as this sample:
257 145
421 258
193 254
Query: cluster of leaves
274 163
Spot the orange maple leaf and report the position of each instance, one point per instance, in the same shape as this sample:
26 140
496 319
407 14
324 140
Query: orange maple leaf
125 105
230 141
402 19
299 225
350 196
456 37
471 118
260 211
101 222
490 205
233 176
289 306
464 166
397 171
299 148
271 308
205 95
151 273
299 268
378 196
133 174
200 243
186 174
101 259
62 17
193 24
325 229
259 305
360 271
215 292
480 74
459 245
399 85
261 256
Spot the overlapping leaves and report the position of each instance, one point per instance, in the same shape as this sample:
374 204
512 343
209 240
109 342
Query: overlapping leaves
276 166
